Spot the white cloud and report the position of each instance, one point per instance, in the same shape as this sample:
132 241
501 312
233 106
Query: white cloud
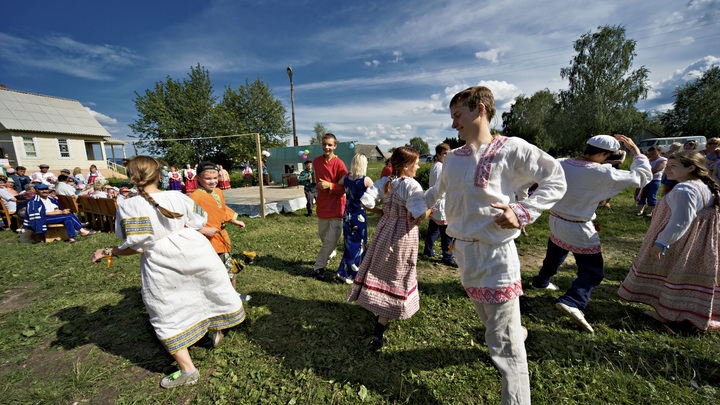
102 118
489 55
372 63
65 55
662 92
397 57
383 142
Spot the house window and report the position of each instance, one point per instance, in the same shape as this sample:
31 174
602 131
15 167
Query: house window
63 147
29 146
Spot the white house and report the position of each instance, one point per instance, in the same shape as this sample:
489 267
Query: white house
37 129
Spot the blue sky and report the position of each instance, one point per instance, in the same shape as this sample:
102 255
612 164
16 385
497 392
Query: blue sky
371 71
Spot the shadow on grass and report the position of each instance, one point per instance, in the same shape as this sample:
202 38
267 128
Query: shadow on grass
122 329
447 290
561 340
295 268
333 339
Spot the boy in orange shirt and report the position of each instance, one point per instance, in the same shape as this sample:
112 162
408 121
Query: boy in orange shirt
212 200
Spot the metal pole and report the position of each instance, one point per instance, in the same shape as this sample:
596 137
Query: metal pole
260 176
292 104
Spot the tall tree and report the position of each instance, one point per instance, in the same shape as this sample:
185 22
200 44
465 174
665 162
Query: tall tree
419 145
319 130
532 119
454 142
602 88
252 108
181 110
696 107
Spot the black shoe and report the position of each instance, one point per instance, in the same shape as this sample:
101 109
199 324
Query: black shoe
450 263
377 339
320 274
308 214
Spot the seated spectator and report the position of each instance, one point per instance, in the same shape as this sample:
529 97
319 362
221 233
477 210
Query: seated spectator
43 210
123 195
98 190
19 180
79 179
10 186
94 175
7 196
87 191
65 185
44 176
111 192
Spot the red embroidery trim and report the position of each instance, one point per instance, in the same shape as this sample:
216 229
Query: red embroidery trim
576 249
482 171
495 295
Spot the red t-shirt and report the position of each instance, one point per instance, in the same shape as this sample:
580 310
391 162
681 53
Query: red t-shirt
330 202
386 171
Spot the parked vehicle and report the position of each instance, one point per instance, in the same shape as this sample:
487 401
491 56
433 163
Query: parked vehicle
664 143
427 158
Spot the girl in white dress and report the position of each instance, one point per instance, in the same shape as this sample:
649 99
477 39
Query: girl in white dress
184 283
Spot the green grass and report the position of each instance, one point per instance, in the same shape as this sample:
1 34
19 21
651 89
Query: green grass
73 332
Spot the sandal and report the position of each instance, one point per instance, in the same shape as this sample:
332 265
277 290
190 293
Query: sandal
89 233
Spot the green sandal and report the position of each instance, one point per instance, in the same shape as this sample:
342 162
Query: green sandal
177 379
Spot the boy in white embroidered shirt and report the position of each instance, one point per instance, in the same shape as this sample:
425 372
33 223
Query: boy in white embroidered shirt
480 180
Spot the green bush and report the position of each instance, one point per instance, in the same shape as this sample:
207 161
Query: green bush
423 175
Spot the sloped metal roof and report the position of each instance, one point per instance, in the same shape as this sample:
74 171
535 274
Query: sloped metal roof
20 111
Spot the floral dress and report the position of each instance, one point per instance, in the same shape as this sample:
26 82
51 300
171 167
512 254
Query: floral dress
354 228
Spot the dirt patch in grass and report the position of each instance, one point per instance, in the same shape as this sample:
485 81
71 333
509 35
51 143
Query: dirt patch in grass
16 298
85 364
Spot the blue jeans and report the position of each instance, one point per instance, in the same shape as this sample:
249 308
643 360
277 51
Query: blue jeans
589 275
649 195
433 231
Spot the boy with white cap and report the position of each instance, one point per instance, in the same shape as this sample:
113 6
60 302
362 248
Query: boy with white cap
571 227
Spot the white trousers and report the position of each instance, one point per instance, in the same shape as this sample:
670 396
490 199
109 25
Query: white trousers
505 337
329 231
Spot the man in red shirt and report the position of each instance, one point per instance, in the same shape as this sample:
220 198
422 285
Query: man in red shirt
330 201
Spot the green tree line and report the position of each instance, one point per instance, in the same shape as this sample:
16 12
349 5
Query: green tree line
603 89
180 120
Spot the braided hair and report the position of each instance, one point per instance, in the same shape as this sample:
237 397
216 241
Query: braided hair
143 171
689 158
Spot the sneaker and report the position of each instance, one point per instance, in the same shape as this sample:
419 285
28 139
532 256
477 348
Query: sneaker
216 336
320 274
575 315
245 297
342 279
550 287
177 379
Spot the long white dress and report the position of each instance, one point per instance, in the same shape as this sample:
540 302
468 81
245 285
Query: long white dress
184 283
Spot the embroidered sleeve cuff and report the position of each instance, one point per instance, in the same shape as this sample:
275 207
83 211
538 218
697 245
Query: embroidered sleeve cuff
522 214
663 246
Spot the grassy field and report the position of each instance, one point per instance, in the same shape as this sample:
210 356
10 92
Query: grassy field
71 332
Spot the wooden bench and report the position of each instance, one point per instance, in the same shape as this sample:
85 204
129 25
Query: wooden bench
108 210
56 232
11 221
